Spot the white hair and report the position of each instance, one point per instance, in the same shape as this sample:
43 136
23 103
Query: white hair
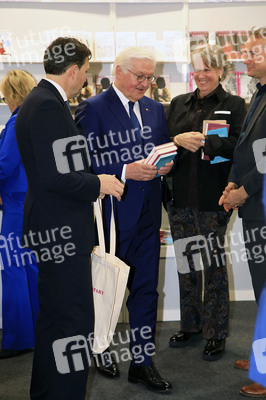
125 57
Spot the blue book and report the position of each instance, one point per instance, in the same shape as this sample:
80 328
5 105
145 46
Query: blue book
222 132
164 159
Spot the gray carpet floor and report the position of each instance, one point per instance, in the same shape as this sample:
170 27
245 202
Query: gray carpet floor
191 376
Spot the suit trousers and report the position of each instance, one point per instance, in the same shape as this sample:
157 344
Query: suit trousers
66 318
209 313
139 247
254 233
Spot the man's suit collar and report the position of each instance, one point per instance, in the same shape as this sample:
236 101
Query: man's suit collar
261 106
45 84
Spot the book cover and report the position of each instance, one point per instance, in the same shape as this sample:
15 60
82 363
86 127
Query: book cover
173 48
102 82
228 41
5 44
164 159
124 40
247 86
241 37
221 130
162 149
198 38
104 46
86 92
160 89
230 84
204 131
147 40
166 237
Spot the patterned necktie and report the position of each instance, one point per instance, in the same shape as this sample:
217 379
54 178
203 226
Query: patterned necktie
68 106
135 122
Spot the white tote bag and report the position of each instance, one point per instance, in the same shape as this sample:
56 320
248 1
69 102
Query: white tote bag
109 281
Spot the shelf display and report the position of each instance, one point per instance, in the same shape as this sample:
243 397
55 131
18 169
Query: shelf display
160 89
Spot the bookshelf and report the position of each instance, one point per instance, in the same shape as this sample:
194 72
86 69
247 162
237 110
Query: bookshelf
162 19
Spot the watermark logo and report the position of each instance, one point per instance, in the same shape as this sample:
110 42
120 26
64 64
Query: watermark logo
50 245
259 349
71 354
191 254
71 154
259 150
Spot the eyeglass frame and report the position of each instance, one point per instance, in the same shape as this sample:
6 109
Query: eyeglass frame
142 78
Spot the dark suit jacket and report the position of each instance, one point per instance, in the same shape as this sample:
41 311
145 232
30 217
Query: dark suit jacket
211 178
244 170
54 200
108 128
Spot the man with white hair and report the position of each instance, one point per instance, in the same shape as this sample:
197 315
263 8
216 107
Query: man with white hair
122 126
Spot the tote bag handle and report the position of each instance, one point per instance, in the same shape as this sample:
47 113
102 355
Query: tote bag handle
99 223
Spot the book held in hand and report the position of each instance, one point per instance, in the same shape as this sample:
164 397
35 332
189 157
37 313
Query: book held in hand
220 128
161 155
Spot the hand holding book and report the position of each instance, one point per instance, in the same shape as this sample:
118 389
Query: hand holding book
212 127
162 155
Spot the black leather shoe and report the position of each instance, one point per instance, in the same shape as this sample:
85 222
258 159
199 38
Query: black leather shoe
150 377
181 339
12 353
214 349
106 364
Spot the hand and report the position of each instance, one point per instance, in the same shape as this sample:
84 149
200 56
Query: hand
234 198
191 141
139 171
230 186
110 185
164 170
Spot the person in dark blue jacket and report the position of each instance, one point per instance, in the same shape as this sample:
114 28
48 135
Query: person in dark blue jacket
19 270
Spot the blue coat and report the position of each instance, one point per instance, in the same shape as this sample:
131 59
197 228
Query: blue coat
19 272
12 173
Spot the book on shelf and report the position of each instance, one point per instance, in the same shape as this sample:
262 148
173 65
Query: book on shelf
161 155
160 89
240 38
124 40
173 47
5 44
191 82
104 48
86 92
166 237
230 83
220 128
198 38
247 86
147 40
227 41
102 82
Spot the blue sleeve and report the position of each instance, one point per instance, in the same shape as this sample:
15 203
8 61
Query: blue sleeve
9 154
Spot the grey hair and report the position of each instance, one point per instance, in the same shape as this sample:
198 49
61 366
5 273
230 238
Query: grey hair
124 58
212 56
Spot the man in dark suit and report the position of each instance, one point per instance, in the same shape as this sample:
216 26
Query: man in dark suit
58 222
245 187
121 127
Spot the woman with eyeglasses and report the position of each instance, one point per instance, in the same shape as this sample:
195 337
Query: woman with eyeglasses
198 224
19 270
